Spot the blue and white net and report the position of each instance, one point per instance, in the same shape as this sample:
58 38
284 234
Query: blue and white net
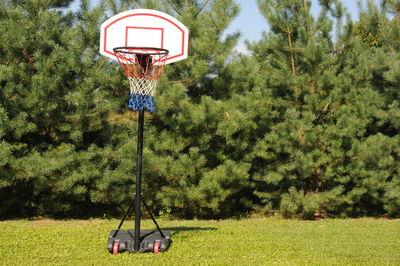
142 94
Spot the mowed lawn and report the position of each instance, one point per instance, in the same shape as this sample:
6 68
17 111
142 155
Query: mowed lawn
257 241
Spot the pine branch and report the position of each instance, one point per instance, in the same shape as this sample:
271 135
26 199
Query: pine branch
101 65
84 115
4 62
392 49
296 89
279 54
4 11
325 114
136 4
181 81
201 9
174 8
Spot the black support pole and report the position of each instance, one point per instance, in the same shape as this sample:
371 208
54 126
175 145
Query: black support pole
138 199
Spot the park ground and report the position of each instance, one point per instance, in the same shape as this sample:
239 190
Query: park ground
256 241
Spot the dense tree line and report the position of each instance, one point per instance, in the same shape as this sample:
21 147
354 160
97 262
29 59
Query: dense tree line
307 124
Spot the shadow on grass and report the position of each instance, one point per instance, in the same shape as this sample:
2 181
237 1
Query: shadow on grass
177 230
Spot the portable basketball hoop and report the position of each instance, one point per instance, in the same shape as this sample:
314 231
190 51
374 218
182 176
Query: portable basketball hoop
143 41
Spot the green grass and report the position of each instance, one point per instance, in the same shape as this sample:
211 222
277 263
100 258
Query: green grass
229 242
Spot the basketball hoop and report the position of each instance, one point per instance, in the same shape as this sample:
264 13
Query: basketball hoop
128 38
143 66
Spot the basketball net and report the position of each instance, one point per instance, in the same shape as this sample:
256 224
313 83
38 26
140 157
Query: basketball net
143 66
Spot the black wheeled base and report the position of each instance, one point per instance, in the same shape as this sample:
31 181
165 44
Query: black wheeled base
150 241
155 241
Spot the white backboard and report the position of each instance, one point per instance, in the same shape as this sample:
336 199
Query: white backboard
145 28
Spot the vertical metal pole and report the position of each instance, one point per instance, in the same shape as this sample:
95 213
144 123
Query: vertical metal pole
138 199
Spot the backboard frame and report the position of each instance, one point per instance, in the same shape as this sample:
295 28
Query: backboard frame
145 28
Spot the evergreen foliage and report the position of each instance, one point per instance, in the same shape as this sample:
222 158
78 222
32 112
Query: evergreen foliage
307 124
331 149
54 116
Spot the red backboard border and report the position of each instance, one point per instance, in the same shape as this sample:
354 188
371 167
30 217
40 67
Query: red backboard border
145 14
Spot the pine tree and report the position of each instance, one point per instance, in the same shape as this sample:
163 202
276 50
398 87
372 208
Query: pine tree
54 119
299 65
383 71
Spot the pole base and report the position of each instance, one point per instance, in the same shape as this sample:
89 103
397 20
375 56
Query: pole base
150 241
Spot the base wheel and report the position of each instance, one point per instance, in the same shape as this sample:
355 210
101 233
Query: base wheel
115 248
156 247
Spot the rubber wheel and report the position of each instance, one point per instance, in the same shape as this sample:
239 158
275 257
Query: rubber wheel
156 247
115 248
